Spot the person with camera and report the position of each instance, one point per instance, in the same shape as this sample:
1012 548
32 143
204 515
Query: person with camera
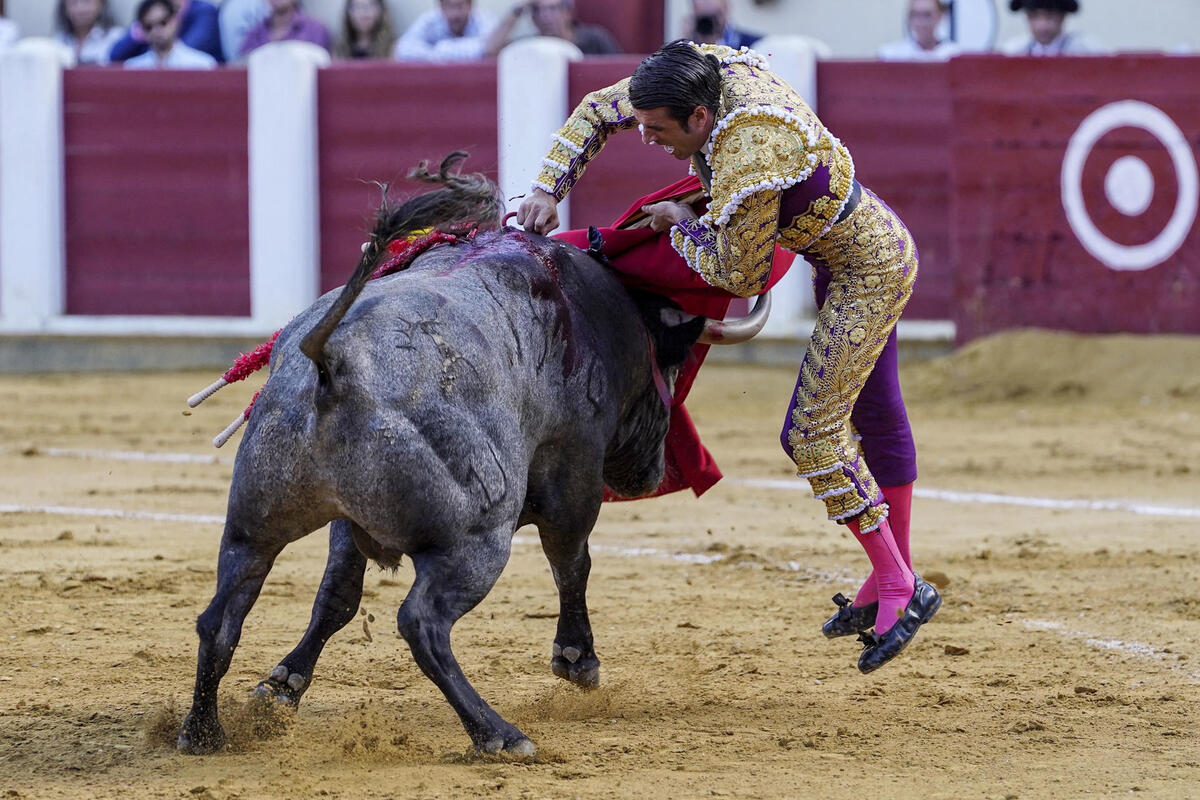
709 24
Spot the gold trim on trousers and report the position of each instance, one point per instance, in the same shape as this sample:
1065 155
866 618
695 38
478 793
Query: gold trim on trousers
873 261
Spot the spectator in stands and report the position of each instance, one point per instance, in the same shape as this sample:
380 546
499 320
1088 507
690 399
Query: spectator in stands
556 18
160 22
86 26
453 31
9 32
286 23
1047 20
367 31
709 24
922 42
198 29
236 19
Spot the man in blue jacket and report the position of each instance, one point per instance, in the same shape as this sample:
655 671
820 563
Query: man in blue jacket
198 28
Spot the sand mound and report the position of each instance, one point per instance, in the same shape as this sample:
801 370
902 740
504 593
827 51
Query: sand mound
1050 364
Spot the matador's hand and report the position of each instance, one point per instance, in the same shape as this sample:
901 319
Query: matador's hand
665 214
538 212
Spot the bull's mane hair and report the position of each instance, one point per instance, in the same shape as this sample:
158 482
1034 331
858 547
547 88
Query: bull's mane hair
463 203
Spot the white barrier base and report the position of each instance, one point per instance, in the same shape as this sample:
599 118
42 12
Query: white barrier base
134 326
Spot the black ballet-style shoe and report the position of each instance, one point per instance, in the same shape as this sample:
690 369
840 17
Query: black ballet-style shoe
881 649
849 619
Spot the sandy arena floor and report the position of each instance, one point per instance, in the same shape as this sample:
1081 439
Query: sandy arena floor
1064 663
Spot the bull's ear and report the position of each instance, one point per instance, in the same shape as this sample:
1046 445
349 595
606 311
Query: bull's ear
675 317
672 330
676 333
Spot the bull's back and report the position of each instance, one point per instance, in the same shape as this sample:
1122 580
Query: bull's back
447 383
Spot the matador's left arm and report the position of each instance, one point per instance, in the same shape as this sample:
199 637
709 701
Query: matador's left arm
757 154
735 255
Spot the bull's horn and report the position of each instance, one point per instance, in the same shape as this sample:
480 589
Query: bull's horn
736 331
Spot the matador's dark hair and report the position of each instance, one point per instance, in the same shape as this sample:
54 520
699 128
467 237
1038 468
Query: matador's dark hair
678 77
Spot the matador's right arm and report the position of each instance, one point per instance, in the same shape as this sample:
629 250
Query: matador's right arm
583 136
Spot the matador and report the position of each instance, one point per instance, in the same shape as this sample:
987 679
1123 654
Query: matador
774 174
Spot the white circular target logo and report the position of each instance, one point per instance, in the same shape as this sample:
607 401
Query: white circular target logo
1129 185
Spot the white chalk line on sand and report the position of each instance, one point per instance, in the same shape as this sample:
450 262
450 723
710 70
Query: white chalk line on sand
129 455
988 498
1137 649
216 519
944 495
117 513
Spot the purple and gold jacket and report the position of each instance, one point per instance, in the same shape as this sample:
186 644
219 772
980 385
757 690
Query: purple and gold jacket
772 171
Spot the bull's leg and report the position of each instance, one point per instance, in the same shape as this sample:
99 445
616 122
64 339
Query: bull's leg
242 567
337 600
573 657
449 584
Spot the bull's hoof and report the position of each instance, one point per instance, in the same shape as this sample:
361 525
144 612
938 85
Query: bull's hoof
571 664
199 738
519 745
282 687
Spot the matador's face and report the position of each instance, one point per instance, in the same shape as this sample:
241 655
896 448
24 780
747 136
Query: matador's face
658 127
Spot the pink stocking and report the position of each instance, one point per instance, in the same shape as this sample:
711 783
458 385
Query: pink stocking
893 578
899 500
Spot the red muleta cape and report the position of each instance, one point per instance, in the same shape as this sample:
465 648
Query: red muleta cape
644 259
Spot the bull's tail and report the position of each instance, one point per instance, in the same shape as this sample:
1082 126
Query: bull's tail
463 202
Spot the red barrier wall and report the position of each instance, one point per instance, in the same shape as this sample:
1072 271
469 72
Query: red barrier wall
970 154
895 118
377 120
157 197
627 168
1019 260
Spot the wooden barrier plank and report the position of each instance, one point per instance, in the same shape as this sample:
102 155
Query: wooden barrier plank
376 121
157 195
895 118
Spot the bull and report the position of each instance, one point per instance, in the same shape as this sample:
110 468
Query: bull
501 380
